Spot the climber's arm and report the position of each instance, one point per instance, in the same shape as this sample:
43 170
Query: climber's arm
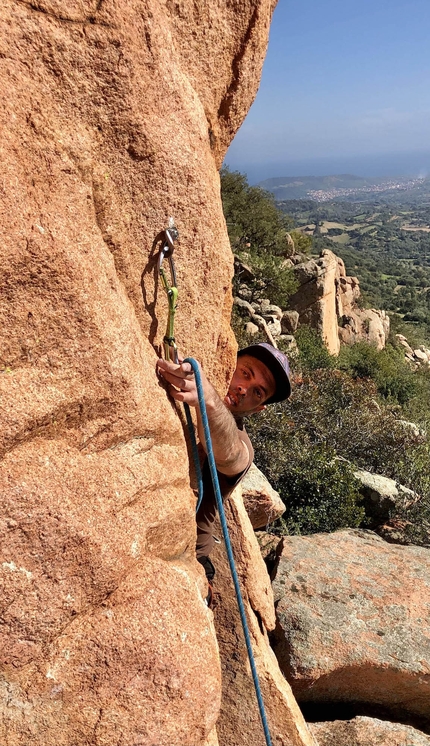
230 452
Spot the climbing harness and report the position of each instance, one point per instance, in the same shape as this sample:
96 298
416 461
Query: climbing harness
170 344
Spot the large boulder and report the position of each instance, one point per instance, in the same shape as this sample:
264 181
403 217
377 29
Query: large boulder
358 324
315 299
263 504
365 324
289 322
366 731
111 121
354 621
382 496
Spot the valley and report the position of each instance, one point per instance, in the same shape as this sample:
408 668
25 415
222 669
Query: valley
383 239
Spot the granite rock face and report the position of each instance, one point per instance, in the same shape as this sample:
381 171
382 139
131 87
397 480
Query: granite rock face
327 299
111 121
315 299
354 621
365 731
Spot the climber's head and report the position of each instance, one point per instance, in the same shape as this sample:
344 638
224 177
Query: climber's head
262 376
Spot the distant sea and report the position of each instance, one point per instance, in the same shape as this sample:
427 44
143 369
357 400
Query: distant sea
399 164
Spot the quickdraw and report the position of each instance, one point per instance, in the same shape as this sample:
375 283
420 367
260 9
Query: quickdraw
171 234
166 252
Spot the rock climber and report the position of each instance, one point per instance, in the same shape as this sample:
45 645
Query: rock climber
262 377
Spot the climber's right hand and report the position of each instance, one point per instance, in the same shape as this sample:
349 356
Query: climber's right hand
180 381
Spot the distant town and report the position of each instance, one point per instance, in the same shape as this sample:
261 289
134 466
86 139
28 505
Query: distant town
325 195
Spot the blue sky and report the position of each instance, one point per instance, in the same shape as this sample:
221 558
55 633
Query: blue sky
345 83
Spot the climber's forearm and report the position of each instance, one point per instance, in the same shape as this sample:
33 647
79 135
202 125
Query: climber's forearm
230 452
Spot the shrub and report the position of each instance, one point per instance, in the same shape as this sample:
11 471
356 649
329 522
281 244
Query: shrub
271 279
302 242
394 378
319 491
313 353
331 414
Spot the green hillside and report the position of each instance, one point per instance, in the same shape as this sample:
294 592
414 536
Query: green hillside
385 244
349 411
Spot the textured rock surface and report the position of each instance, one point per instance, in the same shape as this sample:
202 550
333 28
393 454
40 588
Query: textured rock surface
239 722
365 731
263 504
368 324
111 121
289 322
416 358
358 324
381 495
327 297
247 310
315 300
354 621
268 544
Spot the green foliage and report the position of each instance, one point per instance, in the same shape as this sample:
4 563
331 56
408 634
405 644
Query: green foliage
272 280
257 232
394 378
331 414
254 223
320 492
415 333
313 353
302 242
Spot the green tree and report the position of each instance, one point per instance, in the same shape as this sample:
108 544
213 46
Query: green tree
393 376
313 353
253 221
258 234
302 242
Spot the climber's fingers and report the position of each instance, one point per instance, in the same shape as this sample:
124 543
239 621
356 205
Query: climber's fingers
180 377
175 373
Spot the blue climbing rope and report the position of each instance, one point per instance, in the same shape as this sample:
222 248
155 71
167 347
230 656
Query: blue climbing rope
194 449
212 466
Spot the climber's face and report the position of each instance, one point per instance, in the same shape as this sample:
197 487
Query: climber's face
252 384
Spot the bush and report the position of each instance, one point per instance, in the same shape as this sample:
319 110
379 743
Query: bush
313 353
332 415
319 491
302 242
271 279
393 376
